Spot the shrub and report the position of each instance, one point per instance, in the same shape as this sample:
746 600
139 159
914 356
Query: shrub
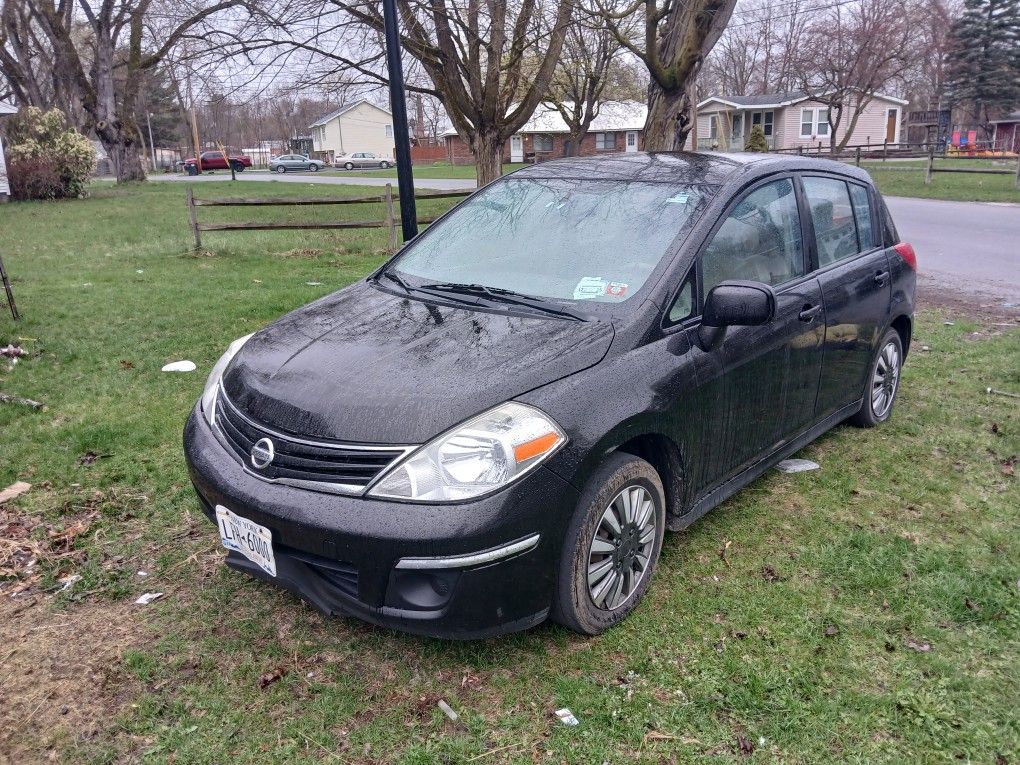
756 140
34 178
42 146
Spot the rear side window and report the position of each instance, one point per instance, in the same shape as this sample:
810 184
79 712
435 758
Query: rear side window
888 227
833 218
759 240
862 212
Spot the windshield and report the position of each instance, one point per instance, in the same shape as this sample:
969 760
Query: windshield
566 239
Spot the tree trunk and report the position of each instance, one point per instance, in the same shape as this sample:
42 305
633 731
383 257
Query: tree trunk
669 119
488 151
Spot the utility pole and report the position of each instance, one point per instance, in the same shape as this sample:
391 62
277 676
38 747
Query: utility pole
398 106
152 146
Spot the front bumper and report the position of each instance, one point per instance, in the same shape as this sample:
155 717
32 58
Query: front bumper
343 554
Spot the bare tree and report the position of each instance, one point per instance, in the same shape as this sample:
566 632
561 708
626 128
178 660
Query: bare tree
851 53
675 38
584 71
100 50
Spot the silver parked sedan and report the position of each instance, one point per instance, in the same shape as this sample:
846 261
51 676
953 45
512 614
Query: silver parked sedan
287 162
363 159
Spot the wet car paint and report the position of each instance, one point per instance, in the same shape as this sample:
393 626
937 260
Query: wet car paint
370 365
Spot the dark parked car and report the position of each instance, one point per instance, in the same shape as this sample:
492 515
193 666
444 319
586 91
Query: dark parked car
499 425
217 160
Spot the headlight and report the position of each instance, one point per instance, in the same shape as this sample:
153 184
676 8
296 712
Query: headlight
211 385
475 458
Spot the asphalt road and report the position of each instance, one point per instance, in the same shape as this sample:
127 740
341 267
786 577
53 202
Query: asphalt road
968 247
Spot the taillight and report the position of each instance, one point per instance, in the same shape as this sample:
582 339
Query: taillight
906 252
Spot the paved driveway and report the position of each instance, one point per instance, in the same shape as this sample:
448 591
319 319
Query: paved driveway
970 247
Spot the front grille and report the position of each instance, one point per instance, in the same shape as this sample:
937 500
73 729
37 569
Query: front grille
340 468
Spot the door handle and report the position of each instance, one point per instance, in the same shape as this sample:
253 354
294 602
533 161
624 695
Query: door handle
810 312
881 277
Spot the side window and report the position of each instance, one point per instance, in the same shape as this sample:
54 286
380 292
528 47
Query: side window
759 240
683 306
862 212
888 227
835 230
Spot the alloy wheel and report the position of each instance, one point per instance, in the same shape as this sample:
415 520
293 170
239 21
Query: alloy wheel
620 552
885 380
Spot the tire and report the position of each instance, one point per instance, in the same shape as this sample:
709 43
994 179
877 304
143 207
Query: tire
349 165
878 401
588 607
313 168
281 169
384 165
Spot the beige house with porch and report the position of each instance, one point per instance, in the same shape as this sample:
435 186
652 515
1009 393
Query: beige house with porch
356 127
792 120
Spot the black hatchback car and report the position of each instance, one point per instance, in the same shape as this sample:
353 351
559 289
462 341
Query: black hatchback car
499 425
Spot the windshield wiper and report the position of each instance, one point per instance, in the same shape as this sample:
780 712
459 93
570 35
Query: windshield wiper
501 295
392 276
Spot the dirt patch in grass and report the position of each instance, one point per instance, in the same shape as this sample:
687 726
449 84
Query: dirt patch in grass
301 252
993 311
62 677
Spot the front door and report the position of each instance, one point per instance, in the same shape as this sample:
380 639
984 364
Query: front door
516 148
631 140
890 126
856 285
757 386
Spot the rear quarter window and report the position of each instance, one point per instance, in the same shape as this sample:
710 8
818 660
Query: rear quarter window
862 212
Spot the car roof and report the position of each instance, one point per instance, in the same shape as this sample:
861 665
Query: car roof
702 168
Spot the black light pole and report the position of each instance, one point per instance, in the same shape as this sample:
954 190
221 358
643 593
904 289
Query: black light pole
405 181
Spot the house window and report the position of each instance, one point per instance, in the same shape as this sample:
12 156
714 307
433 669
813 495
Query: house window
738 125
389 131
767 126
807 122
543 143
822 122
713 127
605 141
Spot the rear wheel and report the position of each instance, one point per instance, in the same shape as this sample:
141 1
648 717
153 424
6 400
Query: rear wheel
281 169
612 545
883 382
384 165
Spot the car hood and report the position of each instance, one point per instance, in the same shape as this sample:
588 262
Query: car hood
367 366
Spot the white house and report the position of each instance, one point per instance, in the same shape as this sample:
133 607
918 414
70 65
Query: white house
790 120
356 127
5 187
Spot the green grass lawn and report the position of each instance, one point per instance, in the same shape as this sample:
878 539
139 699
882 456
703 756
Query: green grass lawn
864 612
906 179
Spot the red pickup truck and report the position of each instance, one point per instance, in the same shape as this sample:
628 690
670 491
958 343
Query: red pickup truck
214 160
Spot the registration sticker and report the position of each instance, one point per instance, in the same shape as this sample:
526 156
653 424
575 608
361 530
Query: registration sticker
253 541
616 289
590 287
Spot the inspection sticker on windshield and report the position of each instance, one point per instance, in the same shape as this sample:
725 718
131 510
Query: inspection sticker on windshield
616 290
253 541
590 287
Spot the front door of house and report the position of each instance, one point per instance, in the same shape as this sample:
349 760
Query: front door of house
516 149
890 126
631 140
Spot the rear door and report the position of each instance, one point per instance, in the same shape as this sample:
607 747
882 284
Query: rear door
758 386
853 270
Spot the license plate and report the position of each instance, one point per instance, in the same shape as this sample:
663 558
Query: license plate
253 541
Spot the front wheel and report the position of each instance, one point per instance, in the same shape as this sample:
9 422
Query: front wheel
349 165
612 545
883 382
313 168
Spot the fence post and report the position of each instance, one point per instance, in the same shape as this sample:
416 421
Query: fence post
800 150
931 165
193 214
1016 179
857 156
10 292
885 149
391 220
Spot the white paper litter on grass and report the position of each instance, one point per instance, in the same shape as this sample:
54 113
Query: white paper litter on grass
148 597
314 284
448 710
180 366
797 466
567 717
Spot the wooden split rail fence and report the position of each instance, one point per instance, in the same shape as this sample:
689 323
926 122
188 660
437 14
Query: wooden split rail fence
391 221
931 169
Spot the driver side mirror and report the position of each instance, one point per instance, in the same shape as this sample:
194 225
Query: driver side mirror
736 304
